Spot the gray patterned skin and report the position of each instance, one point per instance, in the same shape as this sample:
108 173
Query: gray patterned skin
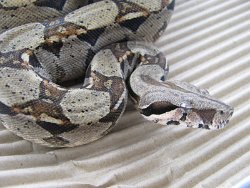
18 12
84 43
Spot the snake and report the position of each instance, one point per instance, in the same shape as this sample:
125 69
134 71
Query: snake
49 46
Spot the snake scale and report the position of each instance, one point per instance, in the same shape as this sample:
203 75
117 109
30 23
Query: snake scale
47 43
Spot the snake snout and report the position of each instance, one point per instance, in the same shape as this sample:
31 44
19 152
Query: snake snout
221 118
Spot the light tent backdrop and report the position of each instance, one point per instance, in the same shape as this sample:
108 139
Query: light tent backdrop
208 44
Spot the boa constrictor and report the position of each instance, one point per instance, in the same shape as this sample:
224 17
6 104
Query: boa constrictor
49 42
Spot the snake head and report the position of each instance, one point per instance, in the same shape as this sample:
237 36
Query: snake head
182 103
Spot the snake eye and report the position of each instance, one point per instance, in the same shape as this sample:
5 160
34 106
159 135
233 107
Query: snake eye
158 108
186 104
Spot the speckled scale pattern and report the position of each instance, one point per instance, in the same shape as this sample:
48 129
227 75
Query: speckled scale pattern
19 12
76 39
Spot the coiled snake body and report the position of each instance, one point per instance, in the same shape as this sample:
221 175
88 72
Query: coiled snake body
35 57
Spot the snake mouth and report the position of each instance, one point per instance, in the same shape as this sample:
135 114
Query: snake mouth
158 108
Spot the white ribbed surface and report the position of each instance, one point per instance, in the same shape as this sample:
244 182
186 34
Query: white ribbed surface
208 44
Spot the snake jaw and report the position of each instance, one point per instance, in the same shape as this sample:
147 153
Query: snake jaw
204 118
167 106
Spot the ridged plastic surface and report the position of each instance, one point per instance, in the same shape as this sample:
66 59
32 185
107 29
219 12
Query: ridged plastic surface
208 44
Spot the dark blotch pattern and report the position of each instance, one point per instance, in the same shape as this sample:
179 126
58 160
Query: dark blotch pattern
56 4
11 57
55 129
116 89
6 110
111 116
56 140
133 24
203 126
207 115
171 5
184 117
114 114
54 48
92 36
34 61
173 122
8 8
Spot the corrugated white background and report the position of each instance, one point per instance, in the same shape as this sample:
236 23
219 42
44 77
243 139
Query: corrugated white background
208 44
